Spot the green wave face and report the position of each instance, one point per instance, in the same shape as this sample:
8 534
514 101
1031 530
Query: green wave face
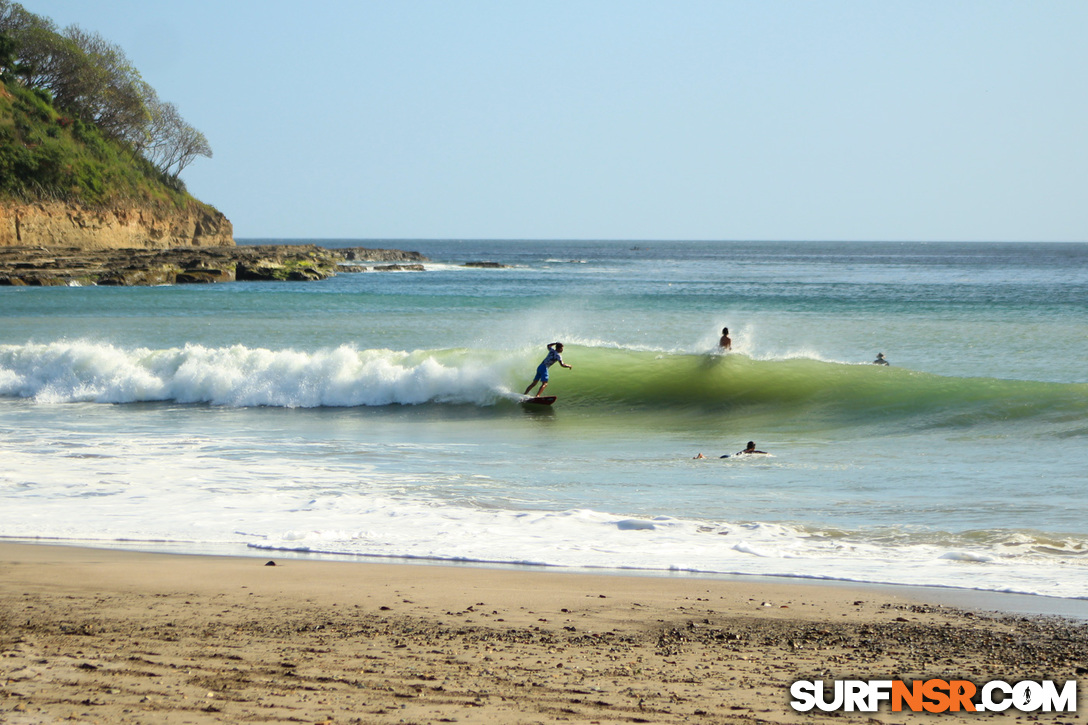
810 391
631 388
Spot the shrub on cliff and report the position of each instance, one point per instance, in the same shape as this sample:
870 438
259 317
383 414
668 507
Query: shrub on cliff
46 155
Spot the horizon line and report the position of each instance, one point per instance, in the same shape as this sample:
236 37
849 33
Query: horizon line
654 240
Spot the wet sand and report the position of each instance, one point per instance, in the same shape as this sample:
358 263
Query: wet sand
106 636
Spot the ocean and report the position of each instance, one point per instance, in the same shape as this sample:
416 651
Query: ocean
378 414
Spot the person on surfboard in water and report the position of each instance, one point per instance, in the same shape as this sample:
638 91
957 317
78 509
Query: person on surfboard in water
555 350
747 451
751 449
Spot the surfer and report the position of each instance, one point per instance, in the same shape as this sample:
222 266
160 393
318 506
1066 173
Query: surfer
555 350
751 449
725 343
880 359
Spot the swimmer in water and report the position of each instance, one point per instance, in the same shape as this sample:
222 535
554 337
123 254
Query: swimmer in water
725 343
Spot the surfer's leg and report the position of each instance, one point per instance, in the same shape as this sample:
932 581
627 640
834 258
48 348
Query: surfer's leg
536 380
541 377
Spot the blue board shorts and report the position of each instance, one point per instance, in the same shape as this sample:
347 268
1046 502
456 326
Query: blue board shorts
542 372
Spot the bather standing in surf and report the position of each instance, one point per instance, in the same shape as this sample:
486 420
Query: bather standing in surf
725 343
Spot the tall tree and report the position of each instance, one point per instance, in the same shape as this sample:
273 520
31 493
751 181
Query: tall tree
103 88
39 49
171 143
8 66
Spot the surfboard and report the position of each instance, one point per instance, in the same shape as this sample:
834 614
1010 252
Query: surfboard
546 400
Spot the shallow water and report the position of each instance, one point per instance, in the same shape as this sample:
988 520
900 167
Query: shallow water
377 413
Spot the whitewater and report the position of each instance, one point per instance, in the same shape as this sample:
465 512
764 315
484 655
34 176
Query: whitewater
378 415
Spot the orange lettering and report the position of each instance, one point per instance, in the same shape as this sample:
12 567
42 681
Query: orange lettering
900 693
961 692
933 689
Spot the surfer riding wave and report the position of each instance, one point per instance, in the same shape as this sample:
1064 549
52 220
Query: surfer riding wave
554 355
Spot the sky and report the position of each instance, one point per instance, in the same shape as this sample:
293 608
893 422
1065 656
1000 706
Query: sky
925 120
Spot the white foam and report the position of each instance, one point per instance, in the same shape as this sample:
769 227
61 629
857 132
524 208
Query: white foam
65 372
967 556
202 490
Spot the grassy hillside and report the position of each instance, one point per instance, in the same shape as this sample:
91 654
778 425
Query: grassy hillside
46 155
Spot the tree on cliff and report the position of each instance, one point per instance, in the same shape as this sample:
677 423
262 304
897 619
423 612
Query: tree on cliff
92 79
7 59
170 143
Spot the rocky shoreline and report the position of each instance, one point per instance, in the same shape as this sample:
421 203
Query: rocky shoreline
71 266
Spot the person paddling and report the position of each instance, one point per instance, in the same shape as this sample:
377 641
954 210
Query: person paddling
747 451
555 350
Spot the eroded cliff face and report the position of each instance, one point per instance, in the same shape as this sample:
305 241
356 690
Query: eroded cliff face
57 224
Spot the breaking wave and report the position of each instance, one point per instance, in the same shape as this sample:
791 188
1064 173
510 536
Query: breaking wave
606 378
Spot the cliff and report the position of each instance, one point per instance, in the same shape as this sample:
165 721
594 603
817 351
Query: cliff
66 183
61 224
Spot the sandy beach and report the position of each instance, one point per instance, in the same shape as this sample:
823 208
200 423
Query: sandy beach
106 636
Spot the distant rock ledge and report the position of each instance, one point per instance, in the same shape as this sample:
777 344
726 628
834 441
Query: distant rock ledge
72 266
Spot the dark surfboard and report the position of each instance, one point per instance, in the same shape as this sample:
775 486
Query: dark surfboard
546 400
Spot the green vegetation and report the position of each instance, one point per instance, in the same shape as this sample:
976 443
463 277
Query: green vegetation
77 123
45 155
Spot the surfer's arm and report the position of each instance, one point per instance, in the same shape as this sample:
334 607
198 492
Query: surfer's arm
558 357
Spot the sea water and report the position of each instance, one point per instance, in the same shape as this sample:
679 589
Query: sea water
378 414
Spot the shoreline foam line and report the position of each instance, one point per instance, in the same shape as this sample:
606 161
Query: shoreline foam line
960 598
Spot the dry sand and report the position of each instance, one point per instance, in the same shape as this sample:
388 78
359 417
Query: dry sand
90 635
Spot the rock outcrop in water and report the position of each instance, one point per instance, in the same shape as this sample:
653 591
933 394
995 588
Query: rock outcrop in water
45 266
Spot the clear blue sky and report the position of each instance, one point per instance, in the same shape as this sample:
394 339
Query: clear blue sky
874 119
